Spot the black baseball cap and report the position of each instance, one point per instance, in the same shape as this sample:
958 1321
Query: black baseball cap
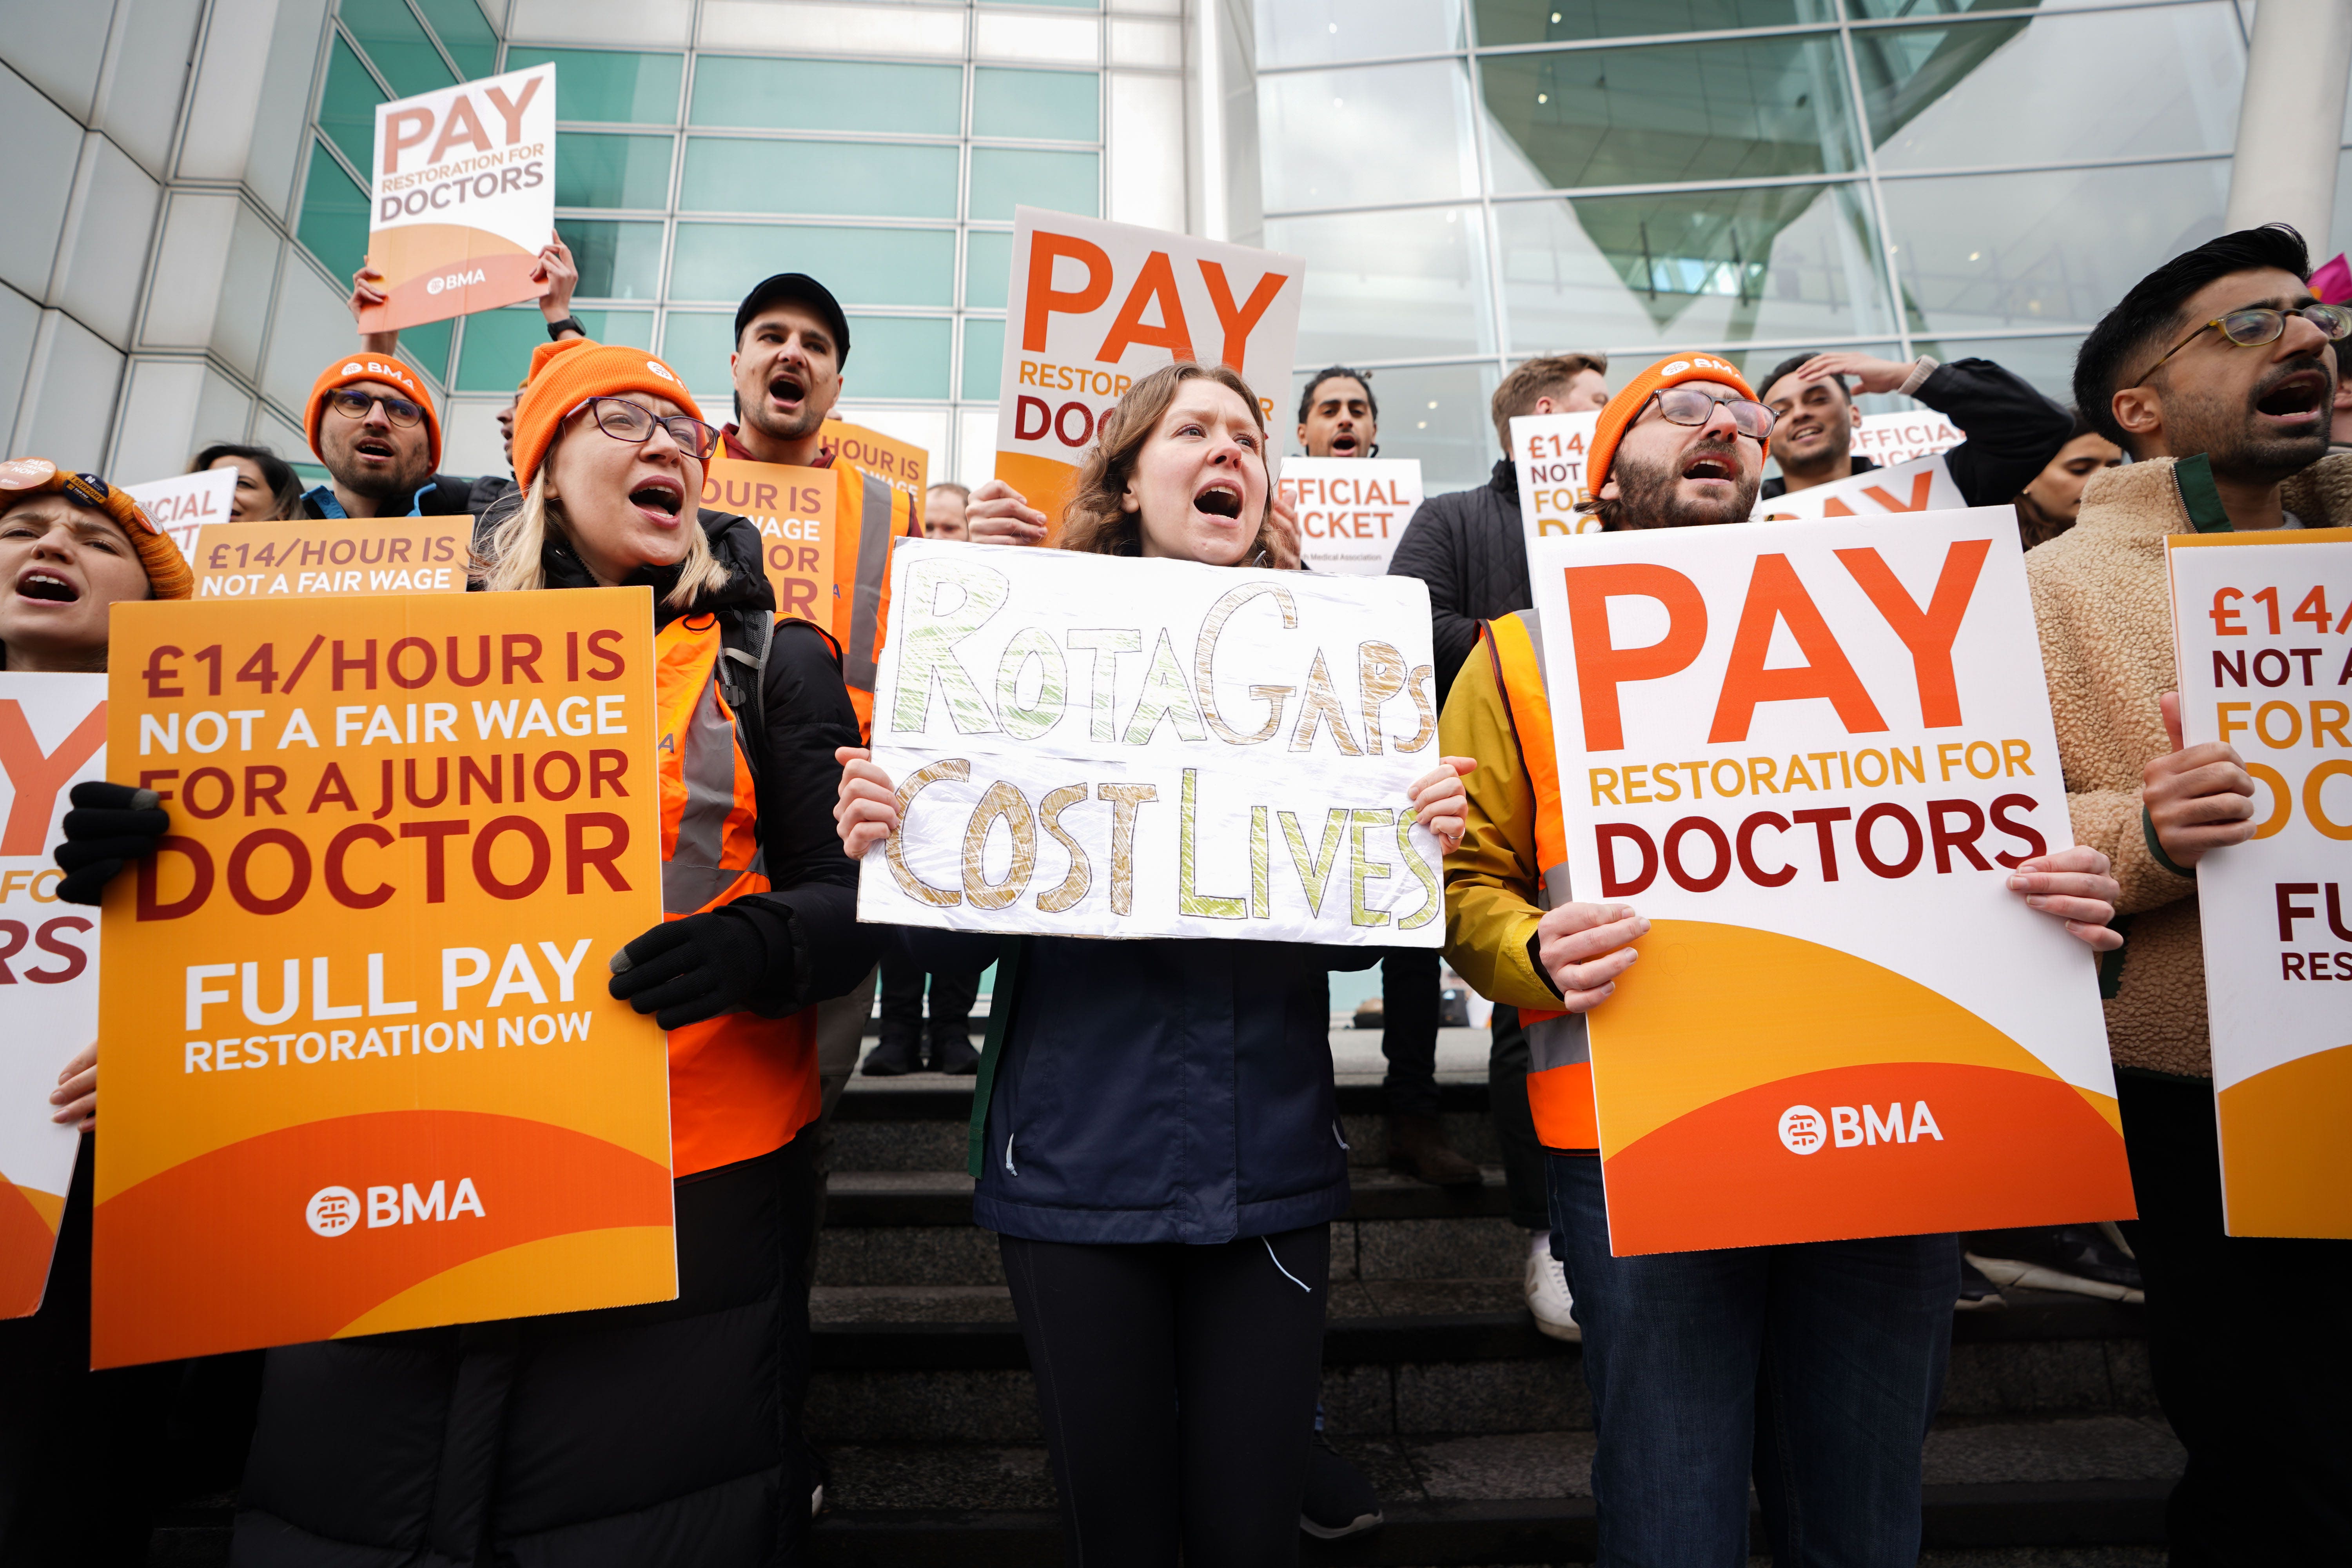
804 290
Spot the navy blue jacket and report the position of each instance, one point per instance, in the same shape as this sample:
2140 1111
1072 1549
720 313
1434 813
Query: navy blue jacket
1156 1091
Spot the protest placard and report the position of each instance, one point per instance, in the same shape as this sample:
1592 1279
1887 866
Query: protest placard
1351 510
901 465
461 198
1548 450
1889 440
184 503
1092 745
798 515
52 736
1921 485
362 1070
2261 625
1094 307
1811 754
313 558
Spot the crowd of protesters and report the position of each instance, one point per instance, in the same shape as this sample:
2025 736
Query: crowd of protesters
1170 1281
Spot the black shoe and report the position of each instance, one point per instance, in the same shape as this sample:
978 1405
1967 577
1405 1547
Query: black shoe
955 1057
895 1055
1339 1499
2083 1258
1977 1294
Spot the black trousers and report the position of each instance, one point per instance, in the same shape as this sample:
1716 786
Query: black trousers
1515 1125
902 1002
1409 1029
1177 1384
2251 1339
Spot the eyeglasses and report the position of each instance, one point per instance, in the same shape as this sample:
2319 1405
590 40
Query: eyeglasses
1690 405
355 406
2259 324
626 421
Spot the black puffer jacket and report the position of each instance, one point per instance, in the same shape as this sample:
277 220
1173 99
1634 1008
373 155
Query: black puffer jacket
667 1434
1468 545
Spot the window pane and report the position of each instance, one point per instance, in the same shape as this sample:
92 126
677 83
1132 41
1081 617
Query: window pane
594 170
1435 413
1389 285
608 85
988 269
2047 362
1916 10
983 358
1553 21
861 266
827 95
427 348
697 345
1675 111
856 179
616 260
1044 106
1379 134
1004 177
387 30
2016 92
498 346
897 356
334 225
1979 252
347 108
1319 32
1702 266
465 33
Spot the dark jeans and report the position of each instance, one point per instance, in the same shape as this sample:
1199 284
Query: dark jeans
1409 986
1817 1368
2251 1341
1176 1383
902 1002
1515 1124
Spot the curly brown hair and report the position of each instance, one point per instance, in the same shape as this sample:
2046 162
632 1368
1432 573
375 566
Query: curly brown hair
1094 520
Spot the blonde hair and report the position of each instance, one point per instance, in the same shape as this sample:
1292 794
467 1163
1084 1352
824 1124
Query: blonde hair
513 563
1093 521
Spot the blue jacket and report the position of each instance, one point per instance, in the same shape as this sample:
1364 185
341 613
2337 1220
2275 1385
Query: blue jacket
1156 1091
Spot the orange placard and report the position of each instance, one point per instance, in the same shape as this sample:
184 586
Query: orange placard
901 464
797 511
331 558
363 1071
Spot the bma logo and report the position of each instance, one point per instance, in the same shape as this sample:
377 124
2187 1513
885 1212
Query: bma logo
1804 1132
333 1211
456 280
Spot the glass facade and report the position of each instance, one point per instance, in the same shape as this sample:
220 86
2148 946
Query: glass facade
1474 182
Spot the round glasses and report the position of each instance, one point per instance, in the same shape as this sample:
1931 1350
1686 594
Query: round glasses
355 406
2258 324
1689 406
626 421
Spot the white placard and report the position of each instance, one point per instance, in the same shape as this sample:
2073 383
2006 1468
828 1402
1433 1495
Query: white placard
1888 439
1351 510
1922 485
1547 450
187 502
1090 745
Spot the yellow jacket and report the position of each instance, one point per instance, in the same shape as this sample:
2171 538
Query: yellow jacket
1491 881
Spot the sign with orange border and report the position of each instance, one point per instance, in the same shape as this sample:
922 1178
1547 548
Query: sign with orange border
316 557
798 513
362 1070
1811 753
2262 625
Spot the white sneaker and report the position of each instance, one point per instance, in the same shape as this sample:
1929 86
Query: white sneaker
1547 1296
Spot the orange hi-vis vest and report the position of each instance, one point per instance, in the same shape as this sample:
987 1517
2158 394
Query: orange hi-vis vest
1559 1074
873 514
739 1085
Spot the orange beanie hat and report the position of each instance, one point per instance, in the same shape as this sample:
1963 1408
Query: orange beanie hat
168 576
566 375
1626 407
382 368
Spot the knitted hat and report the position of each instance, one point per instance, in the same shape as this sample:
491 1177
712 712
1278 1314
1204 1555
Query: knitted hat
1627 405
382 368
566 375
168 576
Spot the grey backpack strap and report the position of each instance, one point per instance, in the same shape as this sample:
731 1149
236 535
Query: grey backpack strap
743 681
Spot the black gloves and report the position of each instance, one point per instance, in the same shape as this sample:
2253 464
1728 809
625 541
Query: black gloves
684 971
111 823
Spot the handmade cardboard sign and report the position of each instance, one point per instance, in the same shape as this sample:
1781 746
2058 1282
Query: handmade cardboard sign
362 1072
1549 450
1094 307
797 511
1889 440
461 196
315 558
2262 628
1092 745
1351 510
1921 485
52 736
184 503
1811 754
902 465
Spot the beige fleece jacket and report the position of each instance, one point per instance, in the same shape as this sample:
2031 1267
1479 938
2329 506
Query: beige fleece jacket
2103 604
